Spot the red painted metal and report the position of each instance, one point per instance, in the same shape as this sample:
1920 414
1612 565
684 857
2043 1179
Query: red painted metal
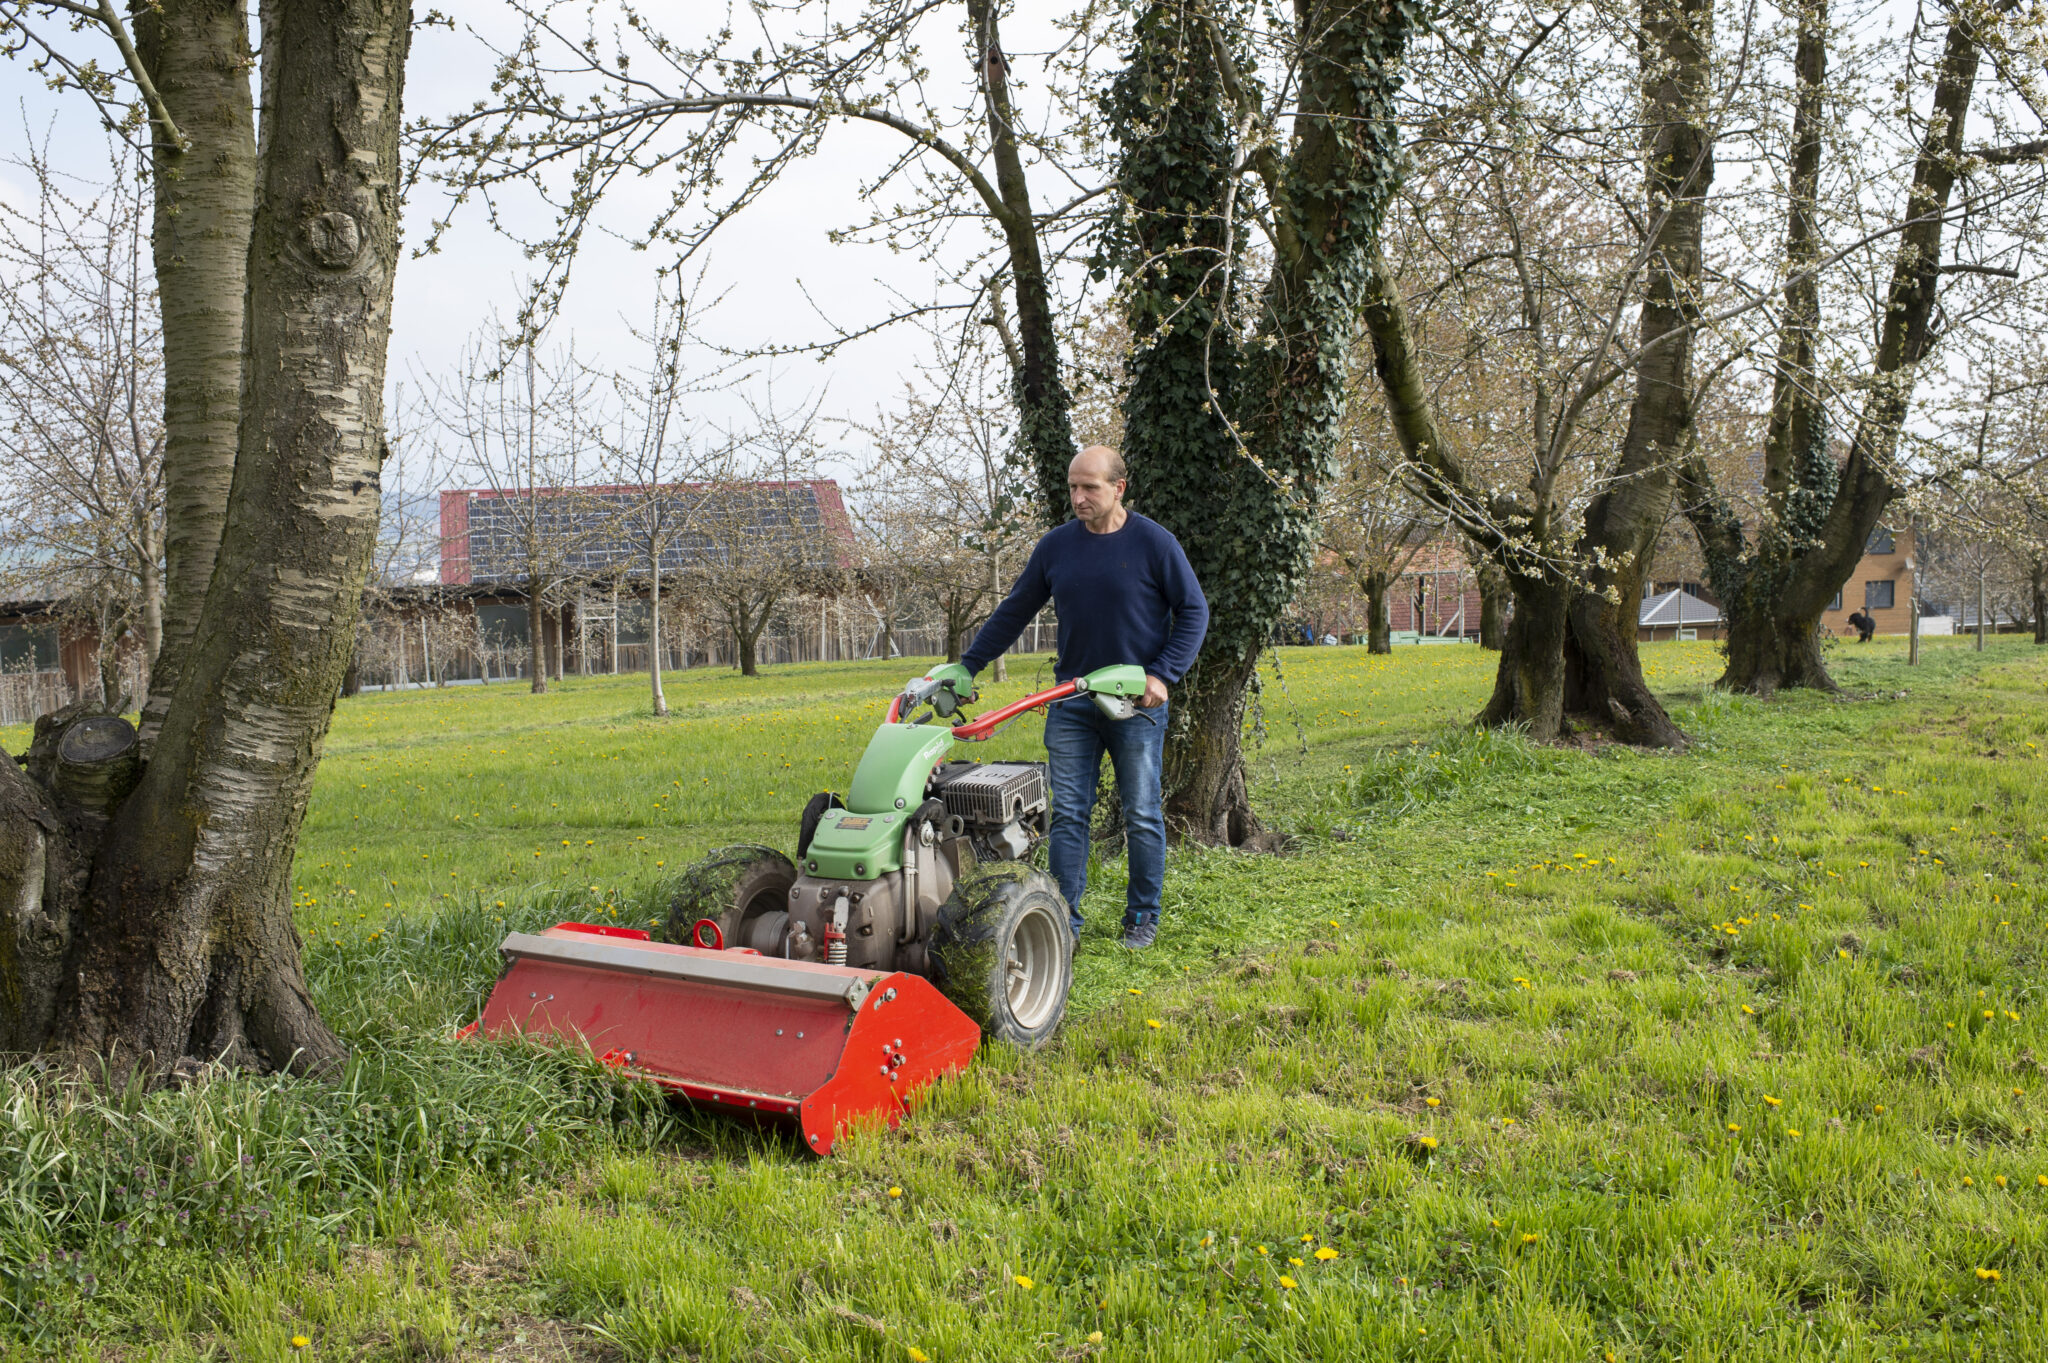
608 930
717 942
981 728
819 1062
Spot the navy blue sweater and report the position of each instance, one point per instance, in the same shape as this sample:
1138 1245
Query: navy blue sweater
1124 597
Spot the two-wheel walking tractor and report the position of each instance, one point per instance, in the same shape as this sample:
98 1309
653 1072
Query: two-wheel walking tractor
828 991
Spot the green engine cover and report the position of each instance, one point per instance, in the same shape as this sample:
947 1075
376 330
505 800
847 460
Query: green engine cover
892 772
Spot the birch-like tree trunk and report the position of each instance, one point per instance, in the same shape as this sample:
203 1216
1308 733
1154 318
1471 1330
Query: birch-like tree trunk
179 941
197 54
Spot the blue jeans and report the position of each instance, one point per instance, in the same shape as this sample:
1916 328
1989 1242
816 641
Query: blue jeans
1076 736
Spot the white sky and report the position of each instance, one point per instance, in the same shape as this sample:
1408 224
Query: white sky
762 262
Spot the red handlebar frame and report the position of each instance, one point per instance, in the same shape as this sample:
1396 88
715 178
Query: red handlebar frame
978 730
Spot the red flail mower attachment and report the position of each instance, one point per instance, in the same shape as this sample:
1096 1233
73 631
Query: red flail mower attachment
824 1047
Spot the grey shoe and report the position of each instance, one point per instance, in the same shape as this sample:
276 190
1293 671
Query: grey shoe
1138 936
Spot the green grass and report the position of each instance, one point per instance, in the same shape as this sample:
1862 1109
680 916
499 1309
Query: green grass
1523 1035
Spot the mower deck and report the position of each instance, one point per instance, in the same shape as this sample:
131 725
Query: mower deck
825 1047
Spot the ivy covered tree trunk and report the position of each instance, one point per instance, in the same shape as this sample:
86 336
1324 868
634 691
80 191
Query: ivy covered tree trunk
197 56
178 941
1231 450
1764 651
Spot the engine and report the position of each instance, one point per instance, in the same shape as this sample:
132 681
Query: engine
1001 805
973 812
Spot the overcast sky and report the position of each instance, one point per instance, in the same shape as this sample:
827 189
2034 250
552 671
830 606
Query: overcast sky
763 264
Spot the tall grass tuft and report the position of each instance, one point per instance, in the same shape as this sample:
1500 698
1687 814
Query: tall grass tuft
102 1188
1398 781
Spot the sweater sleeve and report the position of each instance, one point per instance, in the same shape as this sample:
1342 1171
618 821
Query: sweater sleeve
1026 599
1190 614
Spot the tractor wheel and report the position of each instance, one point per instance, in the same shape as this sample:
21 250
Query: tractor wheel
743 889
1004 953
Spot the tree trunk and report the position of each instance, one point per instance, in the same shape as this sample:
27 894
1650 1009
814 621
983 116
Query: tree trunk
536 638
1045 432
744 640
197 55
152 588
1379 624
184 943
552 622
1204 776
1493 603
1603 672
2037 579
653 640
1246 513
1766 651
1773 634
888 615
1529 685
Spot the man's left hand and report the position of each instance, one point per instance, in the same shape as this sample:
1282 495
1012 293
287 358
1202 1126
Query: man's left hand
1155 693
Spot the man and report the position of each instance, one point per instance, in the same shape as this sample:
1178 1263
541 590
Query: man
1124 593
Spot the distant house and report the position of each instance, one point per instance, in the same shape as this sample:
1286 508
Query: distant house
1679 614
50 656
1437 596
482 528
1882 586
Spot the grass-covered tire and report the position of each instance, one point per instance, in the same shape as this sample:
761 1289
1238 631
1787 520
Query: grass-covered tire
1004 953
735 887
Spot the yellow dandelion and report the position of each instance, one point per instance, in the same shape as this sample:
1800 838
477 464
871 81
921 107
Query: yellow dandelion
1154 1023
1288 1282
1793 1132
918 1355
1326 1253
1734 1128
1989 1275
895 1192
1434 1102
1530 1237
1774 1102
1999 1179
300 1341
1095 1336
1296 1262
1023 1282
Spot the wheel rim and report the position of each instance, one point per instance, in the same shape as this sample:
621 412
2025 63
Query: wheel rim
1031 973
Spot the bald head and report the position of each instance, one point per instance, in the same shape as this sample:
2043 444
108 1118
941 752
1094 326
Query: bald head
1095 485
1100 460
